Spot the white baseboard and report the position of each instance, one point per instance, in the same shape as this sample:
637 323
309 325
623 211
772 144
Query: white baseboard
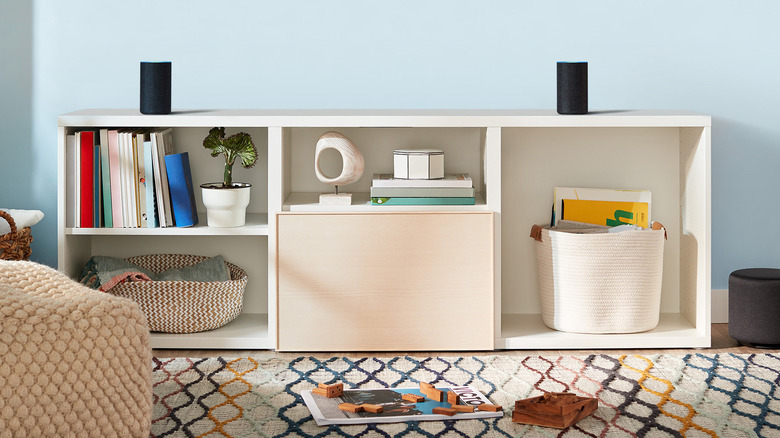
720 306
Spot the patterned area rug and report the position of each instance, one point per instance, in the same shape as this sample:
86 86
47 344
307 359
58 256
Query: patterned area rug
696 395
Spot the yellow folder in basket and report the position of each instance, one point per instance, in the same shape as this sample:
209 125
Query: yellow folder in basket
610 213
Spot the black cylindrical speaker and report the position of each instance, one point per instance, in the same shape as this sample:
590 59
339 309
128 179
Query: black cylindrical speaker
156 87
572 88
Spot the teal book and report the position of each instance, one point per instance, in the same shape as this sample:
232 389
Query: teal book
182 193
105 178
422 201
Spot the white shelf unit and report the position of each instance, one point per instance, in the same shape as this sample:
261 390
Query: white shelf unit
245 246
515 158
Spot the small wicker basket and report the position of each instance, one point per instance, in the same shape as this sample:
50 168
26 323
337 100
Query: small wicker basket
184 306
15 245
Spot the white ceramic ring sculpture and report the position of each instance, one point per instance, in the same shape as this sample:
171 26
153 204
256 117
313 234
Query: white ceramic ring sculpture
351 159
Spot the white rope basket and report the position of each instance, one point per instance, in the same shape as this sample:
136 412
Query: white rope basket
601 282
184 306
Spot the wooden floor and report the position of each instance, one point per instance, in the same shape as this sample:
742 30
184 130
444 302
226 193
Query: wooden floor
721 343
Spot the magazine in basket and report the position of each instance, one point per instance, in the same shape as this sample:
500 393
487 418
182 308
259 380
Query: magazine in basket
394 408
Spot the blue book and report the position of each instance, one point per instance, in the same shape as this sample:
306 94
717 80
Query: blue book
182 193
422 201
105 178
151 205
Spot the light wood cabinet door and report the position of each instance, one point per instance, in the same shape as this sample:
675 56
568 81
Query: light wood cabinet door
385 281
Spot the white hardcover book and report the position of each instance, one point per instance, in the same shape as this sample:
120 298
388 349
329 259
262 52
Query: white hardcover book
77 146
141 179
71 181
151 211
155 139
126 159
164 147
449 180
115 166
122 170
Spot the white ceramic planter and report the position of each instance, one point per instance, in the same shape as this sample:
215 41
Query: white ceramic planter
225 207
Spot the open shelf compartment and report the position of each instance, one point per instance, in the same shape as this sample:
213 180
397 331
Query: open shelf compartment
671 162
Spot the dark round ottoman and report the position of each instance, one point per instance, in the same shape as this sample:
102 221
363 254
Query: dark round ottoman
754 307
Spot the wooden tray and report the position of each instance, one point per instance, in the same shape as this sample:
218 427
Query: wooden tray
554 409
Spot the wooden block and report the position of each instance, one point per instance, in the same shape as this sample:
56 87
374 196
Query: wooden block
350 407
558 410
463 408
453 398
445 411
335 390
424 386
435 395
414 398
374 409
329 391
489 407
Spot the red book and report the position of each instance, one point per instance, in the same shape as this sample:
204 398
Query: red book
87 178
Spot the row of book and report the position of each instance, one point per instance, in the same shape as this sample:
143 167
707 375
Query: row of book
453 189
128 178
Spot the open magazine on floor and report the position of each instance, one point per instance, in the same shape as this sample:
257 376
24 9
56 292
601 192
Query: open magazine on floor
394 408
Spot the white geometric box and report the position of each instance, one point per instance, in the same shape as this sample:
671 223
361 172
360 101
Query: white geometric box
418 164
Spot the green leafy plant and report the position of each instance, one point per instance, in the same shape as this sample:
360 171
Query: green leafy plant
237 146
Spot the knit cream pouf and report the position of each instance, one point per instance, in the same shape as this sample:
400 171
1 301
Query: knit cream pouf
73 361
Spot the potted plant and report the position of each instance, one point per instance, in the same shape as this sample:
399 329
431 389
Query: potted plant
226 201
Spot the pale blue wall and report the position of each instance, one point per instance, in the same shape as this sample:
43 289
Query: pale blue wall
16 84
715 57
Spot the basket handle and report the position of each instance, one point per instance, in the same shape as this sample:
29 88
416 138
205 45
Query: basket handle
659 226
536 232
10 220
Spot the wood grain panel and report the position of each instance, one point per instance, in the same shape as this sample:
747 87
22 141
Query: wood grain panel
385 281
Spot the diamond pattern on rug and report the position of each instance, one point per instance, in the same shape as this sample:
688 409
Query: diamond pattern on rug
696 395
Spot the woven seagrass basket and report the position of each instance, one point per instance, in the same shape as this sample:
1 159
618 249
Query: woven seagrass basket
600 283
184 306
15 244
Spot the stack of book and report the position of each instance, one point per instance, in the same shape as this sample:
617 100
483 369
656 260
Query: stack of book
128 178
453 189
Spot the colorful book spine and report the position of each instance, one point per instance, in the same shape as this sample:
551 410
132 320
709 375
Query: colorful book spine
182 192
151 211
422 201
609 213
87 182
105 180
115 166
141 178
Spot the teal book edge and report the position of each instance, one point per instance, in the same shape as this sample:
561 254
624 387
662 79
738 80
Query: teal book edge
182 193
422 201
